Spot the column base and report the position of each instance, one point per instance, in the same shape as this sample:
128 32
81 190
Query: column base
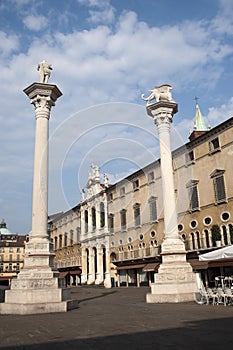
175 282
36 291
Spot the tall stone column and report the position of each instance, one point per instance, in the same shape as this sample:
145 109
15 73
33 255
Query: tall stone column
107 276
38 288
100 273
175 281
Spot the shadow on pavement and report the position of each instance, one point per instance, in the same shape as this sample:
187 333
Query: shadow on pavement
207 334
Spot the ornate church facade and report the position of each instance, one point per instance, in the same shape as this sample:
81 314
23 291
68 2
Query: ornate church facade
113 236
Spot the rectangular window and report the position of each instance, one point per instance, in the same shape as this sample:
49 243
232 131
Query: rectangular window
122 191
151 177
137 217
136 185
193 196
153 209
214 145
219 189
123 220
111 223
110 197
189 158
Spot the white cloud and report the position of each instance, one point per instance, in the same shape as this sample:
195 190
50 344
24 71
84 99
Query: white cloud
217 115
35 22
8 43
100 11
96 66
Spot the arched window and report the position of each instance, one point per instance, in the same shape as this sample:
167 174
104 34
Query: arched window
86 220
102 215
93 214
193 240
198 240
207 239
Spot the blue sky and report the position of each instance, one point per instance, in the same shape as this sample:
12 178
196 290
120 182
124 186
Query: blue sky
104 54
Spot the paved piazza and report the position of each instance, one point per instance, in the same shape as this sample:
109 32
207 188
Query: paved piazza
120 318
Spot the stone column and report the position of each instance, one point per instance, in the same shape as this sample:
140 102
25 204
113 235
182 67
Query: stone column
84 266
38 288
175 281
91 274
107 276
100 274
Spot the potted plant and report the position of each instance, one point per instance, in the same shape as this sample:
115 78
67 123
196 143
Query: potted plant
216 235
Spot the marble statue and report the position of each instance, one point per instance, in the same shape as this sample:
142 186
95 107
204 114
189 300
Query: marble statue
159 93
44 69
106 180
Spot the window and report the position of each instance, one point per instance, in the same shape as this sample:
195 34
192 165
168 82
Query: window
214 145
111 223
86 220
123 220
55 243
93 214
71 237
153 209
189 158
151 177
18 250
110 197
137 217
122 191
60 241
65 239
193 195
219 186
136 185
102 215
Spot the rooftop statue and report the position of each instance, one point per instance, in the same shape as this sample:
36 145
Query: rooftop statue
159 93
44 69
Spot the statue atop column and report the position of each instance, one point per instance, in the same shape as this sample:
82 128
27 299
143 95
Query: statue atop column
159 93
44 69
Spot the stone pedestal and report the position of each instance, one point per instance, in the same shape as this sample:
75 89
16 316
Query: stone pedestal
38 288
175 281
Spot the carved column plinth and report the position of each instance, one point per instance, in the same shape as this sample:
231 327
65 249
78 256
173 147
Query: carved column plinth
175 281
38 288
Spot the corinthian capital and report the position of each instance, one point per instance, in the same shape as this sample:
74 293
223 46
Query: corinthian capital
42 102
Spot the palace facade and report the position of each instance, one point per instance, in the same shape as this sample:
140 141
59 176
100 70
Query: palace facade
11 254
113 236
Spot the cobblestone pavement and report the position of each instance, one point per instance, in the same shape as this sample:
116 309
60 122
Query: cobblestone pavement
119 318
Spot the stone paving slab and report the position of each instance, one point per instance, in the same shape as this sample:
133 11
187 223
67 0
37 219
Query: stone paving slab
120 318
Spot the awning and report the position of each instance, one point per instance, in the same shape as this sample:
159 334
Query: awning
151 267
198 265
218 254
128 267
63 274
75 272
